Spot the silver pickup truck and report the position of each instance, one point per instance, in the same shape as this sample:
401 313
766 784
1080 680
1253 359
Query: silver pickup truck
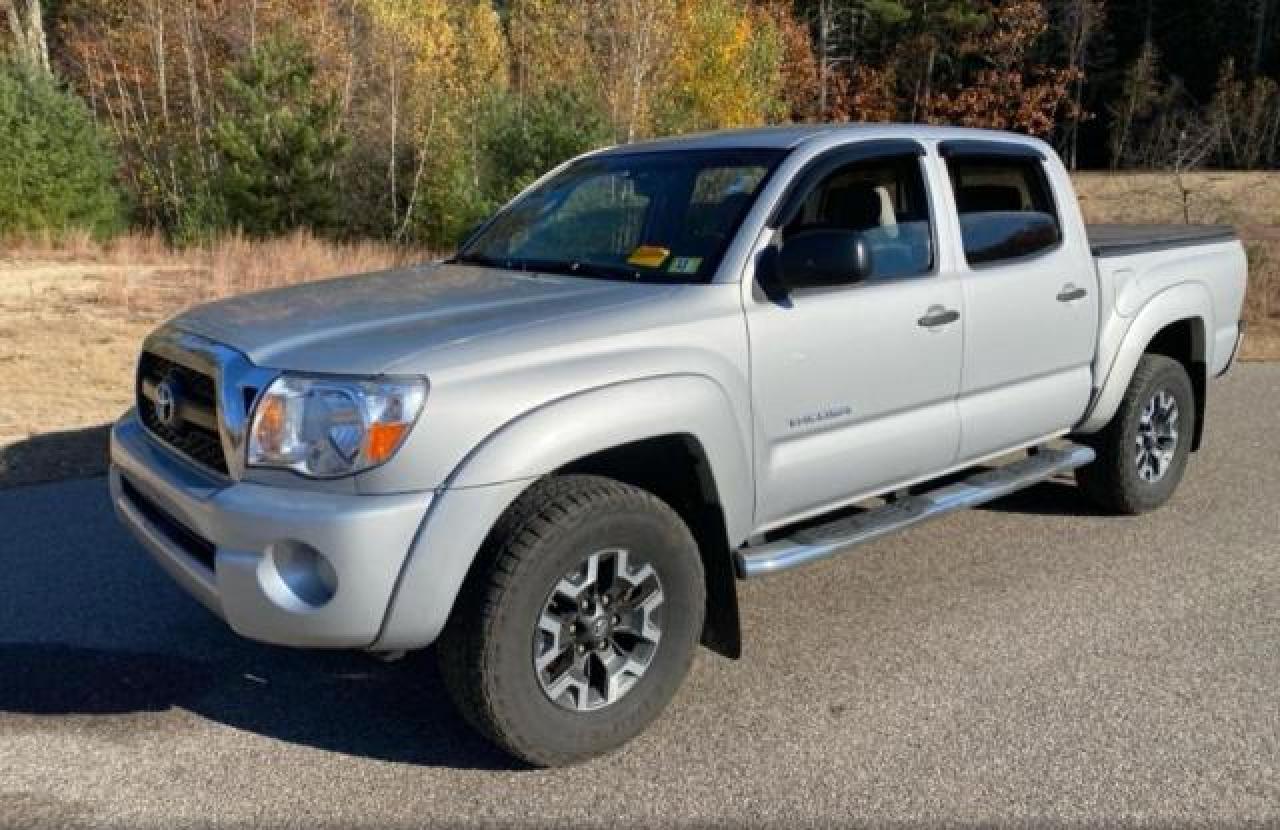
662 368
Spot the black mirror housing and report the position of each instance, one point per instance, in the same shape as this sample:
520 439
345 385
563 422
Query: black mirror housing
824 257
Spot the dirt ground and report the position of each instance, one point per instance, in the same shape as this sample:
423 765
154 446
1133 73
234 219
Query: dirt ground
70 331
66 365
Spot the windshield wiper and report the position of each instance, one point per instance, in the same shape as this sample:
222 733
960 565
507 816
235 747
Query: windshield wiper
578 268
567 267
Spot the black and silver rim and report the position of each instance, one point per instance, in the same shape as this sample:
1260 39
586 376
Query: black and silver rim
1157 439
598 631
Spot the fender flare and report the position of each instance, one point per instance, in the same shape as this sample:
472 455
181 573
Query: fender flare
1187 301
564 430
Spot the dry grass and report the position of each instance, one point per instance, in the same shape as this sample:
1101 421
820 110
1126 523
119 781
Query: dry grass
1249 201
143 276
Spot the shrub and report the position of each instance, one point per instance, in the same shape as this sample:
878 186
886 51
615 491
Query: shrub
529 140
57 170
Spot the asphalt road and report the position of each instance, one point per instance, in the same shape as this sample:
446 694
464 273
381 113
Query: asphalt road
1029 664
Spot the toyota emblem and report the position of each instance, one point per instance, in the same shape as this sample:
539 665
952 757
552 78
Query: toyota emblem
166 404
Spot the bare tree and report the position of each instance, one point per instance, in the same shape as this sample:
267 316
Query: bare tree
26 24
1080 21
1139 93
1263 12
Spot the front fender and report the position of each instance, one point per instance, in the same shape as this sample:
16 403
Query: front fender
538 442
562 431
1187 301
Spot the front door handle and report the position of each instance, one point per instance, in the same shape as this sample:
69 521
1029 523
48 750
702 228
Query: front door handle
938 316
1070 293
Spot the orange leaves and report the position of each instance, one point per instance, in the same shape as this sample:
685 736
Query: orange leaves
967 64
1011 92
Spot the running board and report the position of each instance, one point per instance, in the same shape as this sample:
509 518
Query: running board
813 544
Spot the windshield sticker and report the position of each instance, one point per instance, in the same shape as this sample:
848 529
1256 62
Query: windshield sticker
648 256
685 265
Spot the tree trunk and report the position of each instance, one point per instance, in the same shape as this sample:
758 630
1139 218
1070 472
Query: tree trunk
824 63
928 83
395 113
1261 19
155 20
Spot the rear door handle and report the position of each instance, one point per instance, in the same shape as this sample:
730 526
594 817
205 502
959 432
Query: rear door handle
938 316
1070 293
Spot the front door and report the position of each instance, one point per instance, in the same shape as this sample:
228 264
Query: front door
855 386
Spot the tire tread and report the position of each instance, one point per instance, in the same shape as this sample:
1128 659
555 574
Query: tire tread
466 656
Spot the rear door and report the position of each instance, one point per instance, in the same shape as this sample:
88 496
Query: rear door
1030 298
854 386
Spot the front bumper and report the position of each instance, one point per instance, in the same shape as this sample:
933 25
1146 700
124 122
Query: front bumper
287 566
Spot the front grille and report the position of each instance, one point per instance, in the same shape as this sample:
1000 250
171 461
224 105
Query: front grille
195 435
195 545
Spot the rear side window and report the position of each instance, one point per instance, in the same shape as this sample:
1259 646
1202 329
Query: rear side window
1006 208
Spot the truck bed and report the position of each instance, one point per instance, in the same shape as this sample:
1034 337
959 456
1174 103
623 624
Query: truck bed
1125 240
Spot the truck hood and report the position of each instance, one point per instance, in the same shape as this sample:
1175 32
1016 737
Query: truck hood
365 324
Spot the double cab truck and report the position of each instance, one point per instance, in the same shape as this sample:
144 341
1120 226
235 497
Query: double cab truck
660 369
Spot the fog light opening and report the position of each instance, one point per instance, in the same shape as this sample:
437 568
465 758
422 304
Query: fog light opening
304 572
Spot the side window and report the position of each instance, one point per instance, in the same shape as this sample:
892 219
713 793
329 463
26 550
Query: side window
1006 208
884 200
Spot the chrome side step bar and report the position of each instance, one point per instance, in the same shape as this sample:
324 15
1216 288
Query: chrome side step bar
824 541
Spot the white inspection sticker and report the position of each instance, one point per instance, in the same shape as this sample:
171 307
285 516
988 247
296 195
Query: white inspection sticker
685 265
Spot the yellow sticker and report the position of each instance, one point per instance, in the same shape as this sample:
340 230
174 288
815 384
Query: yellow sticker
648 256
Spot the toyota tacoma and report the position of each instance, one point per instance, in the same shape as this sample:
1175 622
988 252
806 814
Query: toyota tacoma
662 368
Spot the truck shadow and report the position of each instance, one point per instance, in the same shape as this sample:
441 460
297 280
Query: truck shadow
1055 497
54 456
344 703
89 626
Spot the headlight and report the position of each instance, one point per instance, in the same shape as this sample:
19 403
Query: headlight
328 427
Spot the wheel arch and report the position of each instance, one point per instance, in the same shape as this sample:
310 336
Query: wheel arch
675 468
1173 323
694 408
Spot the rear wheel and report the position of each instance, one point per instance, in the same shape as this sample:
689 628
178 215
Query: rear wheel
1143 452
578 623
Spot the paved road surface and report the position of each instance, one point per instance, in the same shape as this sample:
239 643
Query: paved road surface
1028 664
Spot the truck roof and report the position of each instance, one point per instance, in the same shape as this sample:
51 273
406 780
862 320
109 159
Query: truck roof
792 135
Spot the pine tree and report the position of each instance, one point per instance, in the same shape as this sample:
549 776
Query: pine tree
57 171
276 142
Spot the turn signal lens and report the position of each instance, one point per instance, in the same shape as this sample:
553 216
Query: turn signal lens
383 441
269 431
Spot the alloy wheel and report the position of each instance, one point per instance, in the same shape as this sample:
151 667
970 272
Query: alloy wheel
598 631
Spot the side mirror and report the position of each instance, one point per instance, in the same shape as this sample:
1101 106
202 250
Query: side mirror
824 257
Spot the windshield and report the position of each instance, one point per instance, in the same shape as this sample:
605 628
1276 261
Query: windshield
654 217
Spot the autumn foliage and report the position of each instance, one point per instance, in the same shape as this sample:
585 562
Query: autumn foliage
408 120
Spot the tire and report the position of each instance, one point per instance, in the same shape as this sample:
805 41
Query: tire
499 626
1125 478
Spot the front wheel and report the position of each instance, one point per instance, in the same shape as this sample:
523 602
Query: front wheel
578 622
1143 451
